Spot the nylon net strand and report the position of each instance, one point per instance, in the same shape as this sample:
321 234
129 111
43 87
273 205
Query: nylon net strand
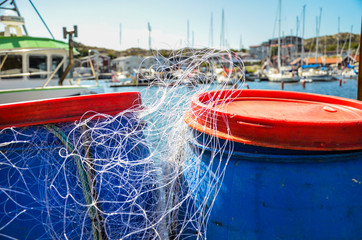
129 176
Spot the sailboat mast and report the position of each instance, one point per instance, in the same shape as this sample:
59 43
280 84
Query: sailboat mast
338 42
241 44
222 34
318 25
303 35
211 34
296 38
193 39
149 36
280 3
120 34
349 45
188 32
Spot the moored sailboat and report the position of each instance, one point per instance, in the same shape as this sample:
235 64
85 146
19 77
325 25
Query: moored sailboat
278 75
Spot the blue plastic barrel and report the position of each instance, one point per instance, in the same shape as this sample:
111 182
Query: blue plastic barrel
59 181
283 178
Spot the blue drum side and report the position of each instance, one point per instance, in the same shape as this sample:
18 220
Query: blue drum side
41 193
271 196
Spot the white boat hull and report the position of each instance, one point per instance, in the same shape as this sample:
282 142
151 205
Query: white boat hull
316 75
351 74
29 94
278 77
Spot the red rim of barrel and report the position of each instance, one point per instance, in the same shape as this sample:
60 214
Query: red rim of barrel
279 119
66 109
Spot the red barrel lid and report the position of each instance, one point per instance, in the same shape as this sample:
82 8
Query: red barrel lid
279 119
66 109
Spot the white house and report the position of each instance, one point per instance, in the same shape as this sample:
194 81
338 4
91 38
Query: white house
131 63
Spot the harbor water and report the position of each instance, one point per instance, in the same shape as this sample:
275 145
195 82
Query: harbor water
348 88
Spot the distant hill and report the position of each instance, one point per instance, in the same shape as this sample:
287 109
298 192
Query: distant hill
83 50
329 42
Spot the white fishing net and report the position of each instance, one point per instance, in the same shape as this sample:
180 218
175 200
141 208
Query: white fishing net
137 175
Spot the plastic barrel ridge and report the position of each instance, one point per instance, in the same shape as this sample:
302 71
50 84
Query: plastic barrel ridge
49 194
293 164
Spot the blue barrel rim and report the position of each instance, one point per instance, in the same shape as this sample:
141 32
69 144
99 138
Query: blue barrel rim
275 158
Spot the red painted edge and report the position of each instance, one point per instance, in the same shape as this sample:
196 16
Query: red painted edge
66 109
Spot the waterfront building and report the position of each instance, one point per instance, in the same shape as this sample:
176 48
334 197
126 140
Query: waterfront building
131 63
100 63
350 60
290 46
261 51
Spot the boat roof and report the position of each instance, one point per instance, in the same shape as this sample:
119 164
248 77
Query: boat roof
25 42
24 50
16 43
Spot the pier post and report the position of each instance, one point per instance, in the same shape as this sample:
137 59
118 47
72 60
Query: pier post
71 55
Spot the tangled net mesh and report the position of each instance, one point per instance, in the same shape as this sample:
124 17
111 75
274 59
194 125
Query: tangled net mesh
129 176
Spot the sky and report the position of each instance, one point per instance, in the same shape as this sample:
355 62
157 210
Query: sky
122 24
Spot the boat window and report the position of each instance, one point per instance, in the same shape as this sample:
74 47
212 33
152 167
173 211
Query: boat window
55 62
13 65
38 66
